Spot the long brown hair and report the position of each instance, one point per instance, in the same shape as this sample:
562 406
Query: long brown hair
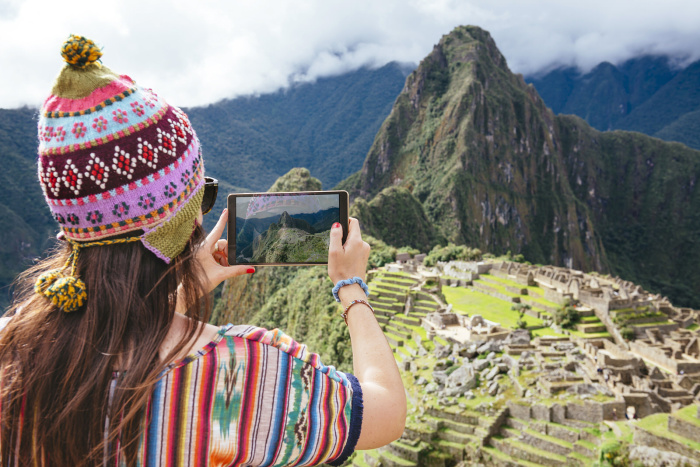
57 367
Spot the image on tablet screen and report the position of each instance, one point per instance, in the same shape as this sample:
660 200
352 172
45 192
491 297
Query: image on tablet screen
286 228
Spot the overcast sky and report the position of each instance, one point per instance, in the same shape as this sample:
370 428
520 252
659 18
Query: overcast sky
198 52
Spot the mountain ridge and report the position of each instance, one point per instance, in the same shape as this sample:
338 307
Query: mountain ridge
648 94
495 169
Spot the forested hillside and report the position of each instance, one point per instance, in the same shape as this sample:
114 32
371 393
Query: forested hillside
327 127
646 94
26 226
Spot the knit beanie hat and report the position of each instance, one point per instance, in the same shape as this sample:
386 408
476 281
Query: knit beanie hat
114 158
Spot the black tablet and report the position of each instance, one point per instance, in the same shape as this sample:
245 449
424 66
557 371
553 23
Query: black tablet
284 229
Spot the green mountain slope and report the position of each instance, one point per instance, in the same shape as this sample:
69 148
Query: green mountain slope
327 127
397 217
646 94
26 226
494 168
676 98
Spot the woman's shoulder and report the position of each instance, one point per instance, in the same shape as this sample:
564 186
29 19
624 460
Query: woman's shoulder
272 338
280 341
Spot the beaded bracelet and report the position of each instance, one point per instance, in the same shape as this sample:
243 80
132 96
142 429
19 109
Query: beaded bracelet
354 302
344 282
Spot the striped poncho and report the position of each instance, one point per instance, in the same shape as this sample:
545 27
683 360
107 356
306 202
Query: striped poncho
251 397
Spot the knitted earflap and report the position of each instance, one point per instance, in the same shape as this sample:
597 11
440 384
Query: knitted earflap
68 293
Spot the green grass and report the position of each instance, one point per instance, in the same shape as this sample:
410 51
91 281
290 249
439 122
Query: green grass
496 287
496 454
537 451
657 424
641 309
590 335
396 459
585 460
694 326
551 439
588 445
394 280
476 303
441 341
359 458
688 414
546 332
540 300
505 281
657 323
626 429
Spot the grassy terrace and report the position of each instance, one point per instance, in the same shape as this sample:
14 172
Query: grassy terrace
534 292
473 302
657 424
688 414
500 288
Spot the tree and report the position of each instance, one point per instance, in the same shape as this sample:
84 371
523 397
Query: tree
567 316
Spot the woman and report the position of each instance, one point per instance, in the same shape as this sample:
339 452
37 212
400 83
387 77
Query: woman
105 356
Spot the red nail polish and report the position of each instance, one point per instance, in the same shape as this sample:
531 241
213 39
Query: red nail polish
336 225
250 270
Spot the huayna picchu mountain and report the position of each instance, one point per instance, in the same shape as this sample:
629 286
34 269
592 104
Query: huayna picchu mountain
494 168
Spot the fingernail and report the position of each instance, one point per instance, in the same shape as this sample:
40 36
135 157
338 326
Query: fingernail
250 270
336 225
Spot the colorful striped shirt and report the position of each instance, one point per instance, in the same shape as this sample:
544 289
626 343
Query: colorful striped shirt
250 397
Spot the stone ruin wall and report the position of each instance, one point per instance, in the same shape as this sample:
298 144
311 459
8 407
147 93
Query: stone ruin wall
589 411
657 355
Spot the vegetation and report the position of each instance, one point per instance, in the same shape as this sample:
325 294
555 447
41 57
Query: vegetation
451 171
521 309
407 225
493 309
451 252
567 316
25 220
326 127
297 179
613 454
627 333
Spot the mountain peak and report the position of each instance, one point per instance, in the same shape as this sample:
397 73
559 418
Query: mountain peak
285 220
461 43
297 179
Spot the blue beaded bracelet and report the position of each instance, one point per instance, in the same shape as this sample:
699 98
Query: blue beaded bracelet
344 282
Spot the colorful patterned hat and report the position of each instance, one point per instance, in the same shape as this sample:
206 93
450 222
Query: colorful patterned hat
116 158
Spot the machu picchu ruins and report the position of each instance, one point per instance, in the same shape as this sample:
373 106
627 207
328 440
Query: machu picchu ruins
494 379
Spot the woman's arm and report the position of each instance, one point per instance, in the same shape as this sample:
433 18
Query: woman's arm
384 396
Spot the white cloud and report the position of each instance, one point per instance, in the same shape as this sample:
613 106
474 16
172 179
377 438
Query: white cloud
194 53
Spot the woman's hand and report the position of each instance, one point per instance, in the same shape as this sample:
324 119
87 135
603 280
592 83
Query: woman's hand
349 260
213 256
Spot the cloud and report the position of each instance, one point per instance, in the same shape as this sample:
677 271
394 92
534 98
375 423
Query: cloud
195 53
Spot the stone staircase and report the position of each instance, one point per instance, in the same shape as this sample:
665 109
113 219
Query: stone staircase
452 438
389 293
536 442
